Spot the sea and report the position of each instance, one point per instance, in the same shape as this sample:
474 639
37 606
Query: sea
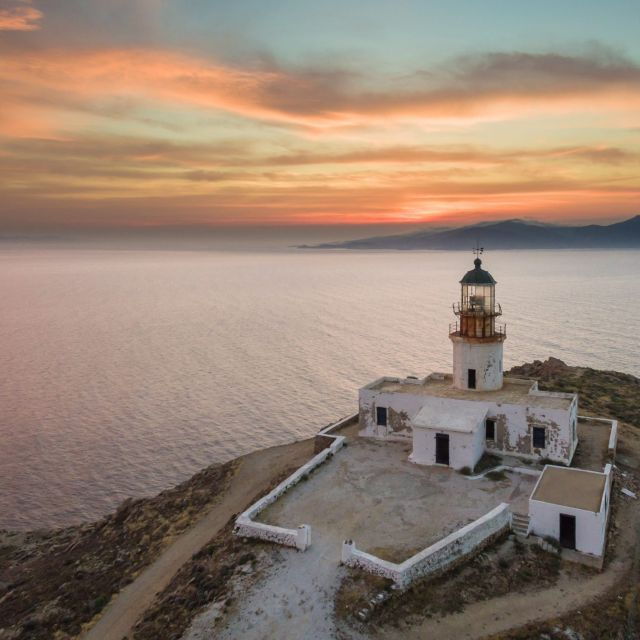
123 372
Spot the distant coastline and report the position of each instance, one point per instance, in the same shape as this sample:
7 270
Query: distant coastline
507 234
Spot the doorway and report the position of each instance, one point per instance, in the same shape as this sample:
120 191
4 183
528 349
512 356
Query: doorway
471 378
567 531
442 448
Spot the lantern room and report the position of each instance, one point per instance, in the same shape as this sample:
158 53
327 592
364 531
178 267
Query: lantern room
477 308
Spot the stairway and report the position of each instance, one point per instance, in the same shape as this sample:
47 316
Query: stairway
520 524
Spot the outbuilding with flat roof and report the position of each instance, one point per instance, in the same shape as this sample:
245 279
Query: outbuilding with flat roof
572 506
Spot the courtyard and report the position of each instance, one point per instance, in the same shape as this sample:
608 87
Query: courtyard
370 493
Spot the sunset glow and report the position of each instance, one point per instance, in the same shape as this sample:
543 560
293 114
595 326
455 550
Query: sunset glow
153 113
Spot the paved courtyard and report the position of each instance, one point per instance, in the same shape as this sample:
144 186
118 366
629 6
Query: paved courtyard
367 492
370 493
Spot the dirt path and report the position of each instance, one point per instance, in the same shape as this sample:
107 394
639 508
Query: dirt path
255 472
482 619
485 618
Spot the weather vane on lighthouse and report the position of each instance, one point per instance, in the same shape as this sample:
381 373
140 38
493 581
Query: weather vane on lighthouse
478 250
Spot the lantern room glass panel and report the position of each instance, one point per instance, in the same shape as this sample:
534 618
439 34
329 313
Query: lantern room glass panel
478 298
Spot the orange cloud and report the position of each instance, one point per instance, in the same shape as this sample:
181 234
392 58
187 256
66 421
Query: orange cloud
494 86
20 16
54 163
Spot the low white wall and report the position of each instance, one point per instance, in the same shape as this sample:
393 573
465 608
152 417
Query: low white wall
505 467
435 557
300 537
613 433
613 438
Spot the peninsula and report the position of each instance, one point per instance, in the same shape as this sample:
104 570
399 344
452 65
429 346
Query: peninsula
477 505
504 234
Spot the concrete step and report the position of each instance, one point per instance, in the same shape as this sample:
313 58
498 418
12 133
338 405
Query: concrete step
520 519
520 524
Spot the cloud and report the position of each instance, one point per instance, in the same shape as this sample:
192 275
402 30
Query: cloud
299 144
19 15
504 85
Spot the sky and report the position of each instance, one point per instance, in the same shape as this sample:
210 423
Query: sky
206 114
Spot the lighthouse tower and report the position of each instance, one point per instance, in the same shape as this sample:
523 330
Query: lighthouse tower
477 338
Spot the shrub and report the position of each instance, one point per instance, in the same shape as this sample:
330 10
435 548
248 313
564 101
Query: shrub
465 471
554 542
487 461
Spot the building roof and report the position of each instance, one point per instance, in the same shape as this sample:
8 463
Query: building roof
513 391
463 418
571 488
477 275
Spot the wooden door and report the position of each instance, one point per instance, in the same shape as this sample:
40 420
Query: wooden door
442 448
567 531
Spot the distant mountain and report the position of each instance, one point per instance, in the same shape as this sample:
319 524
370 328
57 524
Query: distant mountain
507 234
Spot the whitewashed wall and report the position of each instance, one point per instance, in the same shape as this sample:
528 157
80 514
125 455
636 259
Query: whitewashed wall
485 358
435 557
403 404
465 449
591 527
300 537
515 421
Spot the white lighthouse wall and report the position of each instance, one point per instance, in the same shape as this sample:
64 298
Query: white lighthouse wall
513 430
401 408
484 357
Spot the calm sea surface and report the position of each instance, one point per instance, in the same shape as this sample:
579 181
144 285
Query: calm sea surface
124 372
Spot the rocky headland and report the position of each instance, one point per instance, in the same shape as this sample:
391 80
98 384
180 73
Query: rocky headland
62 584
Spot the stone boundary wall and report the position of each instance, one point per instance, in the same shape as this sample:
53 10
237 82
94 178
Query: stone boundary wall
613 435
300 537
435 558
326 436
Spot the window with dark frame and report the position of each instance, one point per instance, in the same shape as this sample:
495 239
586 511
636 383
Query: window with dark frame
490 429
381 416
539 439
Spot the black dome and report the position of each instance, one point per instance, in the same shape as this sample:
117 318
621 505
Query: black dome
477 275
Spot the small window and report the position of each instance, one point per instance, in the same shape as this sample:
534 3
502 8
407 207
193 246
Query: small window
539 437
381 416
471 378
490 429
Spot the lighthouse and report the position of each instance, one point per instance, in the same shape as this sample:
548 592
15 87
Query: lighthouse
476 336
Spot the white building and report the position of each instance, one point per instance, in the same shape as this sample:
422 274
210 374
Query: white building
452 419
572 507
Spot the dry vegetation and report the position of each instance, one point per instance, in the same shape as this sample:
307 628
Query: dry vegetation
208 577
53 582
507 566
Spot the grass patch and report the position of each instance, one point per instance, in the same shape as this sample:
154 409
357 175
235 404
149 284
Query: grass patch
488 461
496 475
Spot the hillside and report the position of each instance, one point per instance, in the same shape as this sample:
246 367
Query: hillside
507 234
54 583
